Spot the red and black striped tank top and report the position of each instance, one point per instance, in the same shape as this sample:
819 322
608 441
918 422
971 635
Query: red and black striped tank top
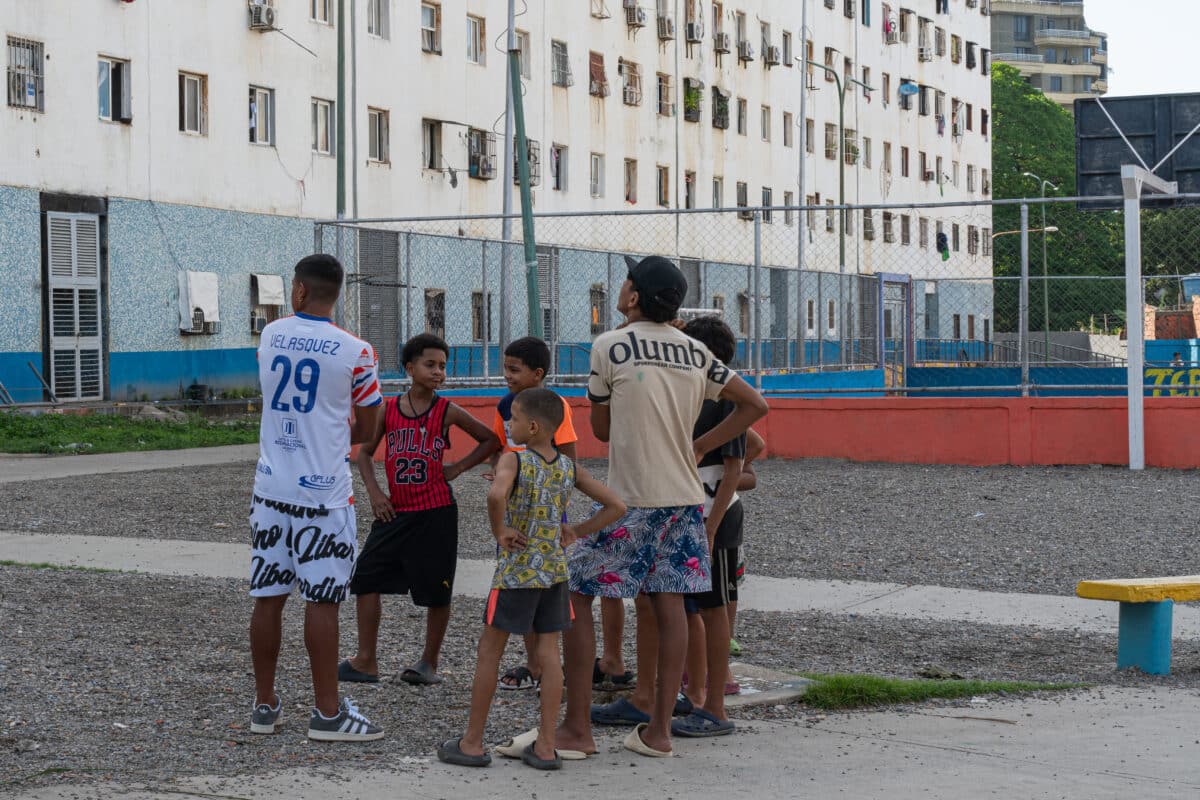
413 457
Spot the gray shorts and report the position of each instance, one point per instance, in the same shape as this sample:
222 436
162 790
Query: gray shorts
523 611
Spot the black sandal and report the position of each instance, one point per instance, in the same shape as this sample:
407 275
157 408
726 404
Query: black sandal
520 677
603 682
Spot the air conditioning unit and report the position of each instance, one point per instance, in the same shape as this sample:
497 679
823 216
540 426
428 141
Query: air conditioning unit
745 214
635 16
482 166
262 17
211 328
891 37
928 176
956 130
666 28
774 56
925 54
694 32
745 51
257 323
722 42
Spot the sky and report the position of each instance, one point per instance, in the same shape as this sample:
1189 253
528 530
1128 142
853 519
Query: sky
1151 44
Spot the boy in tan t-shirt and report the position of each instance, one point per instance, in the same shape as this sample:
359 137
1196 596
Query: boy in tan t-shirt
648 382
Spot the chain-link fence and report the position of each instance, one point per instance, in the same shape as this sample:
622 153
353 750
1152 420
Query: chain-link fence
904 299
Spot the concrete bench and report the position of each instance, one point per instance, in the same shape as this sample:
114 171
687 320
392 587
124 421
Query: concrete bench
1144 630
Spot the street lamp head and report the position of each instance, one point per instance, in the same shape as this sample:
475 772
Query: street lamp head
1051 229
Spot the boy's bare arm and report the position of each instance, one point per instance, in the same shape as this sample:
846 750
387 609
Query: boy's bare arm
748 479
487 441
366 420
755 445
613 508
749 407
497 503
725 491
381 505
601 417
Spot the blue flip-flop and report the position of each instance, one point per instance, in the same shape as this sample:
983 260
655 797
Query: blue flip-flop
618 712
700 724
347 672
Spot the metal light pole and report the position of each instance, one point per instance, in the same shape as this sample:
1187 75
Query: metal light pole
1045 278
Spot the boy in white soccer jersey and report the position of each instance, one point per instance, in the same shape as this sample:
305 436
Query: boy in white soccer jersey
302 524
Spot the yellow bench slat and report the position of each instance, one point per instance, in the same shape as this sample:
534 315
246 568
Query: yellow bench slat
1181 589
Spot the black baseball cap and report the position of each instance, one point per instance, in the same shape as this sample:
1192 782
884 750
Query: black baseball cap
658 280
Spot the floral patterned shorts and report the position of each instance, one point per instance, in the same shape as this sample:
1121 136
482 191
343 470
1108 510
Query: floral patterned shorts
652 550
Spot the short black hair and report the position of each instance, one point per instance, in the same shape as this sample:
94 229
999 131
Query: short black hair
542 405
418 344
322 275
532 351
712 332
653 311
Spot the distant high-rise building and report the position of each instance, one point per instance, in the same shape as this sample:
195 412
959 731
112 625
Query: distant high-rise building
1050 42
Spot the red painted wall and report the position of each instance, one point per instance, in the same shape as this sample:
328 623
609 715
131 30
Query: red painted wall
957 430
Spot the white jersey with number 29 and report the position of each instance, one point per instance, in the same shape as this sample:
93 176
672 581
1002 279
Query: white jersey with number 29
311 371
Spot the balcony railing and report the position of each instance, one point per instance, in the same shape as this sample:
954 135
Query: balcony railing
1014 58
1064 33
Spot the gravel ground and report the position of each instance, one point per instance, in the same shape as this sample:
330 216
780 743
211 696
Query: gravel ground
128 678
1012 529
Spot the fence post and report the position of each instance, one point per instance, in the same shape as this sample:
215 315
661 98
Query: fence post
820 332
407 287
1134 324
339 308
608 294
486 312
1023 302
755 316
318 237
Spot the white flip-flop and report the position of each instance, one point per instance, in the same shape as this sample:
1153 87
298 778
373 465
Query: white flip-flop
515 747
634 743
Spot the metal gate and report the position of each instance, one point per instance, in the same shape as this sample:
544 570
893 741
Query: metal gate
74 319
895 327
548 262
379 292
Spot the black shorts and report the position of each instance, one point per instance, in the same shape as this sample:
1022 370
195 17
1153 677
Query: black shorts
724 581
416 553
523 611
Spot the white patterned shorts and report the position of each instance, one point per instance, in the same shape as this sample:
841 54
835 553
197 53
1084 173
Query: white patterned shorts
291 545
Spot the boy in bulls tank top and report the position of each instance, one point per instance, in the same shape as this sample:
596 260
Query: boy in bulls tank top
413 544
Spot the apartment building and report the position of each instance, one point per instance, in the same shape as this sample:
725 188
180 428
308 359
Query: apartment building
163 162
1050 42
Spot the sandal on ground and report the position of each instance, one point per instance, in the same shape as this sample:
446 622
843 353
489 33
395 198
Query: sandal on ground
604 682
733 688
683 705
531 759
518 678
515 747
618 712
420 674
735 649
700 724
634 743
451 753
348 674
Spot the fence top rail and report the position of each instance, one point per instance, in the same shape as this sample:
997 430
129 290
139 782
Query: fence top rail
659 212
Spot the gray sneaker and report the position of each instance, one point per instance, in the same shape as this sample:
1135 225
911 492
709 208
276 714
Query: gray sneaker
265 719
348 726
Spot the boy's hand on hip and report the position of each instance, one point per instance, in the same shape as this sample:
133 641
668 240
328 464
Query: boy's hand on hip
452 471
568 535
512 540
381 506
489 476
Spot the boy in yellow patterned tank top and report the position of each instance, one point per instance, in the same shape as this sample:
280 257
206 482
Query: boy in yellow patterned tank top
529 589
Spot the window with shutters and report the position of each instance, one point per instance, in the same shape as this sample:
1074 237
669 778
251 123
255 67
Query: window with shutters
193 103
548 265
114 98
26 75
631 82
533 152
597 80
435 312
560 65
74 315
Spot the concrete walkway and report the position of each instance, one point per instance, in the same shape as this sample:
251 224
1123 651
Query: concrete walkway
40 468
209 559
1101 743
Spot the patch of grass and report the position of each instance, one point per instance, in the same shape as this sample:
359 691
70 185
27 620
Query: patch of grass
46 565
863 691
113 433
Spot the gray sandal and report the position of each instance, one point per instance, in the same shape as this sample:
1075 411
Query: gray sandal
420 674
531 759
451 753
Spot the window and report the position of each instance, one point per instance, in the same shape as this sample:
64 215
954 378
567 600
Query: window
431 140
886 87
939 40
970 177
598 300
321 11
767 202
718 304
983 122
533 156
666 103
866 79
789 213
764 29
718 192
193 103
905 229
477 316
986 236
266 301
831 143
925 108
631 82
560 73
886 164
558 167
476 40
524 55
26 78
809 127
663 183
831 318
1021 27
868 223
481 154
435 312
377 18
954 238
985 181
1056 83
970 116
829 216
923 168
810 318
923 232
262 115
322 126
596 173
972 240
940 175
971 327
903 162
788 125
631 180
742 123
597 79
889 229
829 51
377 135
957 319
787 49
850 147
743 195
431 28
811 201
866 152
906 94
954 173
765 123
112 86
689 189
